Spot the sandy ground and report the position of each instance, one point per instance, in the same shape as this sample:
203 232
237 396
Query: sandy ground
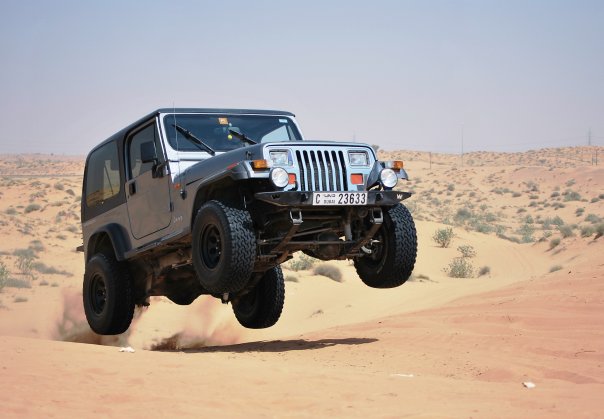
435 347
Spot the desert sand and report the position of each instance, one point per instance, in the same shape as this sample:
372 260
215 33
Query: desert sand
523 336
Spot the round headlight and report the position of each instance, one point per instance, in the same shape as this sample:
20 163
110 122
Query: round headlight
388 178
279 177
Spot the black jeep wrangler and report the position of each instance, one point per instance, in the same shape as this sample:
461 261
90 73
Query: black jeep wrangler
187 202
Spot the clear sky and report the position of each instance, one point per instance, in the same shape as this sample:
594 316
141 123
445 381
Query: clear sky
510 75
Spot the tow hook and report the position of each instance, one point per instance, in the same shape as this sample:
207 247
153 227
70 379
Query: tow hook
225 298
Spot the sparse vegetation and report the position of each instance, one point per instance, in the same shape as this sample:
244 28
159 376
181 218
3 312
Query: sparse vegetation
485 270
555 268
288 278
20 299
599 231
17 283
566 231
443 237
3 275
328 270
302 263
554 242
11 211
460 267
32 208
467 251
587 231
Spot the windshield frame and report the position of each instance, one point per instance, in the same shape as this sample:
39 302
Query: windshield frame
184 145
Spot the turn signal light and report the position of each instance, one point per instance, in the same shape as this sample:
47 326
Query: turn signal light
396 165
292 179
356 178
260 165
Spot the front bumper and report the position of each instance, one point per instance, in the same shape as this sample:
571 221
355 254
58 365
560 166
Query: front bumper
305 199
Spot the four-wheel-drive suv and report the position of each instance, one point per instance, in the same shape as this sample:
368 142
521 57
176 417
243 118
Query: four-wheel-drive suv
186 202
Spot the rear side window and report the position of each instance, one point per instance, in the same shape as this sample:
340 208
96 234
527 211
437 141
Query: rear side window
102 175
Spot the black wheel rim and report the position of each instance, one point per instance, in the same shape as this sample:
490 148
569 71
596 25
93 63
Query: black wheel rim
98 294
246 306
378 250
211 246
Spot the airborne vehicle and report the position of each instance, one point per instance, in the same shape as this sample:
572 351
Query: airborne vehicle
186 202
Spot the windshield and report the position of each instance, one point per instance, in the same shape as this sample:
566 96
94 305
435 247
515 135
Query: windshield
213 130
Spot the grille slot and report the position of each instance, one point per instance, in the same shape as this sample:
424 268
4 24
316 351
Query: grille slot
322 170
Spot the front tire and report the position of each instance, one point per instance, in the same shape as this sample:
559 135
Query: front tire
262 306
224 248
391 261
107 294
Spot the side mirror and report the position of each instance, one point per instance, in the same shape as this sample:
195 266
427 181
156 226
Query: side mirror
148 152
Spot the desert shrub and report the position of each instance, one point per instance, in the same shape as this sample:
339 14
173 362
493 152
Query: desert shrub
571 195
554 194
36 246
20 299
599 231
11 211
579 211
43 283
25 261
516 194
467 251
330 271
587 231
566 231
526 231
443 236
601 196
72 229
450 187
460 268
592 218
554 242
48 270
17 283
303 263
59 186
485 270
557 221
61 237
555 268
288 278
3 275
570 183
70 192
32 208
462 215
594 200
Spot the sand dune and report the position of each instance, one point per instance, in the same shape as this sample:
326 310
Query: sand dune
435 347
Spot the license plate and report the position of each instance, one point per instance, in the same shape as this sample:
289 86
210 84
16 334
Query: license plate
339 198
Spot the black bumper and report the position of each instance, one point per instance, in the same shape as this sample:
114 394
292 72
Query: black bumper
305 199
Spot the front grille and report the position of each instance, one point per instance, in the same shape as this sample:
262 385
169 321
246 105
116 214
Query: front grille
322 170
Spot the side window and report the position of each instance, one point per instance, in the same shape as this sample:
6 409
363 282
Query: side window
102 175
136 166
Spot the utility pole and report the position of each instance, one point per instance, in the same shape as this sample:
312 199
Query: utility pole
430 160
589 137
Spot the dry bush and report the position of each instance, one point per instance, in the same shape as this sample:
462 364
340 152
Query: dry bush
302 263
460 268
330 271
443 236
555 268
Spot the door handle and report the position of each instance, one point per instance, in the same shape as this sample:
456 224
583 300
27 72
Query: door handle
132 187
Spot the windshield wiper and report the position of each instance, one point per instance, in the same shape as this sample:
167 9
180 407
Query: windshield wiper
242 137
191 137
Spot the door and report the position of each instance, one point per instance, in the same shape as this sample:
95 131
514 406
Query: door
148 185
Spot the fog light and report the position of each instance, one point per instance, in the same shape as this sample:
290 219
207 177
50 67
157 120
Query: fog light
279 177
388 178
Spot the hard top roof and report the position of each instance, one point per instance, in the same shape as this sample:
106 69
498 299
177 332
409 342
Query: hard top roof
121 133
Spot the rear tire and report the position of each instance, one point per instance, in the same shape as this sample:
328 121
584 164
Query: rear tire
224 248
392 259
261 307
107 294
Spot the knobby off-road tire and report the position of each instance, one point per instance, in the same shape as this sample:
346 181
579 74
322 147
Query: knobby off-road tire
392 259
261 307
224 247
108 295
